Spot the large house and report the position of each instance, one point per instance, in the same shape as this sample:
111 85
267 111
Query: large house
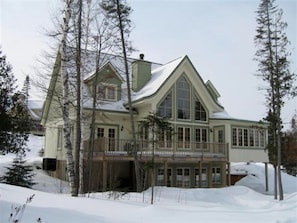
205 140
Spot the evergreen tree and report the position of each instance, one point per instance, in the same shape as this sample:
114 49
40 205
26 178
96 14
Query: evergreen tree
14 117
273 68
157 129
19 173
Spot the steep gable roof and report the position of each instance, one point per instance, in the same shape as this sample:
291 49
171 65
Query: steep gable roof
159 76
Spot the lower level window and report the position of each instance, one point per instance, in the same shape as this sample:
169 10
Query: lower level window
161 178
216 175
183 177
203 177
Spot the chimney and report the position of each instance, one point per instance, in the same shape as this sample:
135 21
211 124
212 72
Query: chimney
141 73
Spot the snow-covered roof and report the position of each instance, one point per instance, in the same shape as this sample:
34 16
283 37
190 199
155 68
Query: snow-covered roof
159 76
221 115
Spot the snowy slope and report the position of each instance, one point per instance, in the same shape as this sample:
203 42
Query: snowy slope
230 204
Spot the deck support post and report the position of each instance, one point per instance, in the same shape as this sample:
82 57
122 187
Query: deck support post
266 177
104 176
229 174
200 173
165 172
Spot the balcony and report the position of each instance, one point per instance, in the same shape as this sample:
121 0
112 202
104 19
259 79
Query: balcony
123 149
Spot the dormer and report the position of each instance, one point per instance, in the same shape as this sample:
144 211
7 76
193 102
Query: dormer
107 81
141 73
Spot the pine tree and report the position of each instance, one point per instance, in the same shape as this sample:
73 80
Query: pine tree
19 173
14 117
118 12
273 68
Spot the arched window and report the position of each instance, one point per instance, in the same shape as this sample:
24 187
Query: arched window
183 98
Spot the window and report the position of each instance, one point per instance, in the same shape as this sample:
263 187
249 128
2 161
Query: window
200 113
245 137
183 177
111 139
216 175
234 136
240 137
106 92
183 99
183 137
248 137
165 139
204 182
200 137
251 137
100 132
60 138
165 108
161 177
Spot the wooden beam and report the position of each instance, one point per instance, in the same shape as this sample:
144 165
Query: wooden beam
104 175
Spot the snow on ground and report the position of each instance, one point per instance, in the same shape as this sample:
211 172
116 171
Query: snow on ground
52 203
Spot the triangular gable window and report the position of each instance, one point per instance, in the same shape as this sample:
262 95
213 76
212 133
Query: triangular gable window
200 112
165 108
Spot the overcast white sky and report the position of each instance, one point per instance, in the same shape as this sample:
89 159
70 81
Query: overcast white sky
217 35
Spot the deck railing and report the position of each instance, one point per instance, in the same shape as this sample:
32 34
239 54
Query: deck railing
105 146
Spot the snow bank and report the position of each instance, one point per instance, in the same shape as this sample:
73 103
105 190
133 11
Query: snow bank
255 178
230 204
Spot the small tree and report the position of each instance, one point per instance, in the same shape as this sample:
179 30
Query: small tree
157 128
19 173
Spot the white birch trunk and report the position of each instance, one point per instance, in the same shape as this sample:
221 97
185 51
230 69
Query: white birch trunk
65 77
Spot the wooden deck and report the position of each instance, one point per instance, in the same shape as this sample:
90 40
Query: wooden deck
122 149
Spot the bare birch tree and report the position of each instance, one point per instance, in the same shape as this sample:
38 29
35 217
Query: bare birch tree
65 76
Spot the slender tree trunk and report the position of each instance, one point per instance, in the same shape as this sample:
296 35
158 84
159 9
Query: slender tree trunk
92 132
84 57
65 76
280 186
136 161
78 146
275 181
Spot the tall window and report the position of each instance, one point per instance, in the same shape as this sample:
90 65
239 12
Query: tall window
111 139
200 113
183 137
200 138
216 175
165 139
100 132
203 177
60 138
165 108
183 99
